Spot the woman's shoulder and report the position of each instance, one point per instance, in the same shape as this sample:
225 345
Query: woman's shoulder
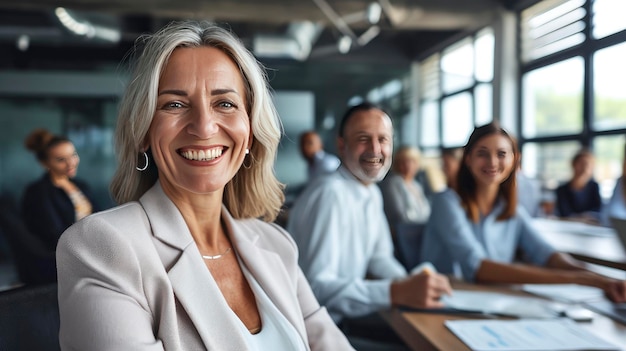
447 195
117 219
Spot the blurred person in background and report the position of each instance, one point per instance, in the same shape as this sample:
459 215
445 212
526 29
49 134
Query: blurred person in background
58 199
403 196
579 198
319 161
450 163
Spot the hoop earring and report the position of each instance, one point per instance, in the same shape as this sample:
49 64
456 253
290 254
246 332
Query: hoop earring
249 161
141 169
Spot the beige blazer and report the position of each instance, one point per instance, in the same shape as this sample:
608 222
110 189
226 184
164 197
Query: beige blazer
132 278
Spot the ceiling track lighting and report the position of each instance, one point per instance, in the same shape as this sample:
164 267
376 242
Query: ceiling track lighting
348 38
86 28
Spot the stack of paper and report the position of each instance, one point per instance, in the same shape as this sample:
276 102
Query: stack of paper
502 304
526 335
565 292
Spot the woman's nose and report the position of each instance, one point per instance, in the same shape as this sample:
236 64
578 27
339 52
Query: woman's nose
203 123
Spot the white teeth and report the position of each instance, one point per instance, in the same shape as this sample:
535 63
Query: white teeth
202 155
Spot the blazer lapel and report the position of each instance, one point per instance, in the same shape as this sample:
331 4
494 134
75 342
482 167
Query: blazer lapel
268 270
193 284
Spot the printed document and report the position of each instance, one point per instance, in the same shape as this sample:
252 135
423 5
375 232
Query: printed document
526 335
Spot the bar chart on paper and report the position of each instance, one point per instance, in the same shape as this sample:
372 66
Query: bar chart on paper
526 335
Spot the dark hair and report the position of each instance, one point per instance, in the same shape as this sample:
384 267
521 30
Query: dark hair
40 141
364 106
583 152
466 184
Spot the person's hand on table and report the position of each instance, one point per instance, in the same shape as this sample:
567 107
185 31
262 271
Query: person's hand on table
423 289
615 290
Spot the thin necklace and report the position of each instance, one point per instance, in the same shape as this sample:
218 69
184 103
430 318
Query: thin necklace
209 257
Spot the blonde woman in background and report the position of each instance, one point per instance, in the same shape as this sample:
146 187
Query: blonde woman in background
403 197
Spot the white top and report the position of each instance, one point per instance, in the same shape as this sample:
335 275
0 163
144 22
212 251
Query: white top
342 234
276 332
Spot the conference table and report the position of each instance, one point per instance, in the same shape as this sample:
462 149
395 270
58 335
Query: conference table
426 330
586 242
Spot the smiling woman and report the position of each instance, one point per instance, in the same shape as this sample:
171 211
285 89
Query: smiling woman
476 230
185 263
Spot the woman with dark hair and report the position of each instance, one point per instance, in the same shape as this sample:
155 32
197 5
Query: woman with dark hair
476 229
579 198
58 199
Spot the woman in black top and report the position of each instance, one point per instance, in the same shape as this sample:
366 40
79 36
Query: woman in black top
57 200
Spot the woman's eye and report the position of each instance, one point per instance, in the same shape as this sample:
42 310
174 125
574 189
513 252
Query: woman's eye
226 104
174 105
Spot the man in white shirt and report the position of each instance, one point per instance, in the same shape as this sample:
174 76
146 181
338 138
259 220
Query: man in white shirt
343 236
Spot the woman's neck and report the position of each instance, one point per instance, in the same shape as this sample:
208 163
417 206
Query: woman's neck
60 181
202 213
486 197
579 182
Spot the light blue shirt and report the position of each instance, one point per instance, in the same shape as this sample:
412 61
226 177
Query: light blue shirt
616 206
451 239
323 163
342 235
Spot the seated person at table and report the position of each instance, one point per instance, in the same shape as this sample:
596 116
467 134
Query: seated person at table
345 245
450 163
617 205
403 197
319 161
478 228
189 260
579 198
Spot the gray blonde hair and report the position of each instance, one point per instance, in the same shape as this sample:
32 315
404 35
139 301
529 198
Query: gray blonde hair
405 151
254 192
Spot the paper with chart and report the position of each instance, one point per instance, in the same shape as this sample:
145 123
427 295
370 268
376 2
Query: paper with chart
526 335
502 304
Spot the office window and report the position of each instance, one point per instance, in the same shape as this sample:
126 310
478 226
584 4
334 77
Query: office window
609 153
484 55
483 103
456 93
457 121
552 102
429 81
609 92
429 129
562 102
550 161
551 26
457 66
608 17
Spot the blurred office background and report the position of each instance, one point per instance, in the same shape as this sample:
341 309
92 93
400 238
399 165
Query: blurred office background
550 71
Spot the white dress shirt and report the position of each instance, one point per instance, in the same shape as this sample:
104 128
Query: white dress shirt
343 236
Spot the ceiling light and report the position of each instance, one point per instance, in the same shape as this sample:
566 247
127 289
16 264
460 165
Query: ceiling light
344 44
373 12
23 42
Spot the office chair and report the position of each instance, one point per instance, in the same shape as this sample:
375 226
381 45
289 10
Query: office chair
29 318
408 243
